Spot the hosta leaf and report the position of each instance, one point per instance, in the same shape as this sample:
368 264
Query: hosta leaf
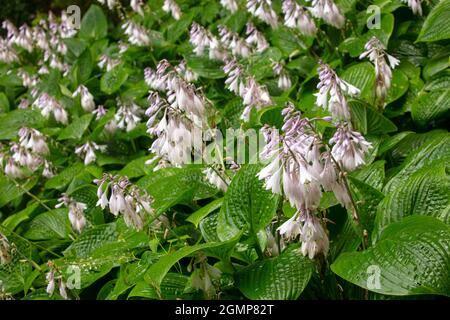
362 76
84 66
436 150
206 68
156 273
112 80
367 199
367 120
429 106
9 190
172 287
76 129
426 192
412 257
198 215
436 25
208 228
94 24
49 225
12 121
372 174
399 85
64 177
136 168
246 204
171 186
280 278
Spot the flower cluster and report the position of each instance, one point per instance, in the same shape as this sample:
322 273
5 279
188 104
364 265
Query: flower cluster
176 119
230 5
217 177
415 5
27 156
263 10
202 39
332 90
231 40
49 105
76 212
375 50
53 276
87 151
255 38
204 276
329 12
253 94
122 197
137 34
170 6
86 98
301 166
284 81
297 17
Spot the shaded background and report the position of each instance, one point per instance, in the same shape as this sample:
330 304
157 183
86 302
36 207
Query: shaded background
21 11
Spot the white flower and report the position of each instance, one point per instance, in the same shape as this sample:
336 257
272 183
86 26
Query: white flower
331 93
109 62
137 5
87 99
375 50
99 112
329 12
254 96
297 17
170 6
7 53
349 147
50 277
137 34
230 5
87 151
415 5
262 9
33 140
256 38
290 229
128 116
221 181
284 81
313 237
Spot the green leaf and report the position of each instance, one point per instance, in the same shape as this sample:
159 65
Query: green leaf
436 26
93 24
84 65
362 76
435 150
426 192
367 120
399 85
205 67
247 204
172 287
430 106
52 224
136 168
12 121
17 218
76 129
156 273
372 174
412 257
64 177
10 191
4 103
280 278
198 215
171 186
112 80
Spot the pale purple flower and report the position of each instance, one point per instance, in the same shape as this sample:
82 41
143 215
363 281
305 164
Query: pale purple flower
87 99
349 147
297 17
329 12
170 6
256 38
136 33
263 10
231 5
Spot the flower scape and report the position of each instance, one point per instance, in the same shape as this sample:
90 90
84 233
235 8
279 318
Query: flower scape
232 149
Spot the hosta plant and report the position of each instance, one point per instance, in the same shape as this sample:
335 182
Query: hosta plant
233 149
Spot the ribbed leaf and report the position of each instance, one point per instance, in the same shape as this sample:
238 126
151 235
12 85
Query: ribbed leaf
412 257
112 80
436 26
94 24
430 106
426 192
247 205
76 129
280 278
53 224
